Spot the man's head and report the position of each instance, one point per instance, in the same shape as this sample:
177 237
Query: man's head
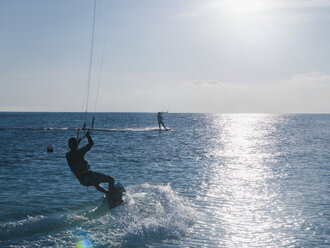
73 143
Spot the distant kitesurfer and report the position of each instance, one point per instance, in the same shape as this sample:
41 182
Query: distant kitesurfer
160 121
81 169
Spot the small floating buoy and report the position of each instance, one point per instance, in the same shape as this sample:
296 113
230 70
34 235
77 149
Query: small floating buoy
50 148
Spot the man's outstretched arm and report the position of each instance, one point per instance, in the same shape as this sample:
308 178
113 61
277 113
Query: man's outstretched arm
90 144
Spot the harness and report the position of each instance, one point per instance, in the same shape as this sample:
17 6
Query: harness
79 169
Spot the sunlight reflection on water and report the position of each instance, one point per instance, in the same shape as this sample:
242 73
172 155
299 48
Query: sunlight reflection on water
241 191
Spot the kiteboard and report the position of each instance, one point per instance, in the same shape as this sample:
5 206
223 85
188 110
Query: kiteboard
117 198
167 129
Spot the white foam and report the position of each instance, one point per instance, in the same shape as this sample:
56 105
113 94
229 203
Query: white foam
150 213
157 213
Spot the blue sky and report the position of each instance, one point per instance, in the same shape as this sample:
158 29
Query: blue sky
178 55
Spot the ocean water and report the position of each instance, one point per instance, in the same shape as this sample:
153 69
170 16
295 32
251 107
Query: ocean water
214 180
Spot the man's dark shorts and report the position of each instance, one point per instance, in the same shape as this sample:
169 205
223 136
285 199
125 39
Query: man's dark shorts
91 178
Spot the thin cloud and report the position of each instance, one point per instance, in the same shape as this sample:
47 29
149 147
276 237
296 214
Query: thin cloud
216 8
314 77
208 82
300 4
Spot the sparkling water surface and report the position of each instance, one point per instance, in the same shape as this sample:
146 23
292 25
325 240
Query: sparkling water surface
214 180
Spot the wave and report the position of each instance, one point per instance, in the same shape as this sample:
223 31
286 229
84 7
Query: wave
41 224
142 129
149 214
38 128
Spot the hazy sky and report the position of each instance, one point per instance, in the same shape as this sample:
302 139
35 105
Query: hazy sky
178 55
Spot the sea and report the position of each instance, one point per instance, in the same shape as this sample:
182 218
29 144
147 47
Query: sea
213 180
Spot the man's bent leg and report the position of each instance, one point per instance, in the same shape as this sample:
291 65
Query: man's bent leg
101 189
111 203
111 186
102 178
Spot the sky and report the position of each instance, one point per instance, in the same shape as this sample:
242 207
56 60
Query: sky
209 56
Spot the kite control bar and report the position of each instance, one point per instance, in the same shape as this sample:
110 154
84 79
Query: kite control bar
85 129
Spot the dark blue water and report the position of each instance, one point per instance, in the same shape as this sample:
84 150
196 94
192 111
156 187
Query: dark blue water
231 180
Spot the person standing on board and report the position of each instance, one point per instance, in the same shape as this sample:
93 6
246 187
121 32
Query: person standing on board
160 121
81 169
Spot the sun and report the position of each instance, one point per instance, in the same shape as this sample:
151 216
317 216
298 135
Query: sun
240 6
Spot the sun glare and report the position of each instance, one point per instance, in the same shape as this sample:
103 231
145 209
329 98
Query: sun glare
240 6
